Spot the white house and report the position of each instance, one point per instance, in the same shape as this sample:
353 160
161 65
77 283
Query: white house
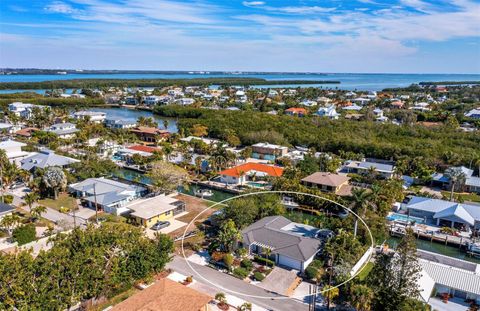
328 112
474 114
109 195
119 123
23 110
93 116
64 130
13 149
292 245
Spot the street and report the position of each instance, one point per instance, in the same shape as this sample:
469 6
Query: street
229 282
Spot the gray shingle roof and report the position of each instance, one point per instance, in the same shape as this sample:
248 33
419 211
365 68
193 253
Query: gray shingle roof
268 231
437 206
45 158
5 208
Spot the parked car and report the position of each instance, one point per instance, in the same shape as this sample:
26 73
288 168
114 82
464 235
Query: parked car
160 225
17 185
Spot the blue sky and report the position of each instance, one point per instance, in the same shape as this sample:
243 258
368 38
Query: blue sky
404 36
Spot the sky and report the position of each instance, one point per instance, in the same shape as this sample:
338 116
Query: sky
370 36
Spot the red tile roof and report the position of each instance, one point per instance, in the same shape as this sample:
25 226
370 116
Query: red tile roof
242 169
144 148
165 295
297 110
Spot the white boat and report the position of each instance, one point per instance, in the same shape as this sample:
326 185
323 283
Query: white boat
289 203
474 249
203 193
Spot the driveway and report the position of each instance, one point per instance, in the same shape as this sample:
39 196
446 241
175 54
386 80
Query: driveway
280 281
174 225
241 288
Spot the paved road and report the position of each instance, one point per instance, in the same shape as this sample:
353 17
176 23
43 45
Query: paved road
229 282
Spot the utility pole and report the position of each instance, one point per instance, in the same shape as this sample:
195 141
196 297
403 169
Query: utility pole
95 200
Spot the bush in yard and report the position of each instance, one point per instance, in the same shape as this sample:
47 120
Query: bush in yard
241 272
218 256
264 261
24 234
258 276
8 199
228 260
311 272
247 264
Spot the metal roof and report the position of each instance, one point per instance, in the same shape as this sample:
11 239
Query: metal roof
452 277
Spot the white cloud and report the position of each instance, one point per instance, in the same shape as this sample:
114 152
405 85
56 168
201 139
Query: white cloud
60 7
253 3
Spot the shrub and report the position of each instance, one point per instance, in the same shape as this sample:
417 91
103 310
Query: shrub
247 264
258 276
311 272
217 256
228 260
24 234
241 273
264 261
8 199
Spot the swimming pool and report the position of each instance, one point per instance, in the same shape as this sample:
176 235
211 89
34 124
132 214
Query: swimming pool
405 218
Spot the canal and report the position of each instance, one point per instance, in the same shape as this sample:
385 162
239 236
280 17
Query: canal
139 177
133 115
438 248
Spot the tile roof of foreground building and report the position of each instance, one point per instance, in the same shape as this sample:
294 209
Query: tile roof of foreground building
166 295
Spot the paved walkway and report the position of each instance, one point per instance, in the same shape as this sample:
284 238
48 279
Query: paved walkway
241 288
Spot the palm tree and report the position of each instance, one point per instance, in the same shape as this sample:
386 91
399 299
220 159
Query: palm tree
360 203
165 124
361 297
38 211
457 177
55 179
30 199
267 252
9 222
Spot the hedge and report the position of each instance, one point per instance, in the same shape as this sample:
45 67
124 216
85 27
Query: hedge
247 264
258 276
241 273
24 234
264 261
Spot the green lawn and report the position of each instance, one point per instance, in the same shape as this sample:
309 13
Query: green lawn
363 275
469 197
63 200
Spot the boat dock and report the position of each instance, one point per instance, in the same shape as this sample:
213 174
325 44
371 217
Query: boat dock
398 230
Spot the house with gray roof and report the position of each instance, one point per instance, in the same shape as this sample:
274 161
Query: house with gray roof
46 158
445 213
362 167
472 183
291 244
109 195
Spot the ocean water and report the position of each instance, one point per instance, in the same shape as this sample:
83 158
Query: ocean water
348 81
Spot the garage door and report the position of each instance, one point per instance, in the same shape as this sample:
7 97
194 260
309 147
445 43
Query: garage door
289 262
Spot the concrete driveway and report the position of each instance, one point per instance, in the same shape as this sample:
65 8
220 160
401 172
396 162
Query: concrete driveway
174 225
280 281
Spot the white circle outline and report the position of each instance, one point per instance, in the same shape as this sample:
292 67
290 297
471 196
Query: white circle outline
280 296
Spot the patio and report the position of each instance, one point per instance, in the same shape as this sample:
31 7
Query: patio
454 304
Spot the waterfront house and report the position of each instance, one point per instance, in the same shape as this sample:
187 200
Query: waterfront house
45 158
150 134
166 295
301 112
23 110
147 212
63 130
151 100
292 245
92 116
328 182
248 173
266 151
363 167
116 123
444 213
447 275
185 101
110 196
328 112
